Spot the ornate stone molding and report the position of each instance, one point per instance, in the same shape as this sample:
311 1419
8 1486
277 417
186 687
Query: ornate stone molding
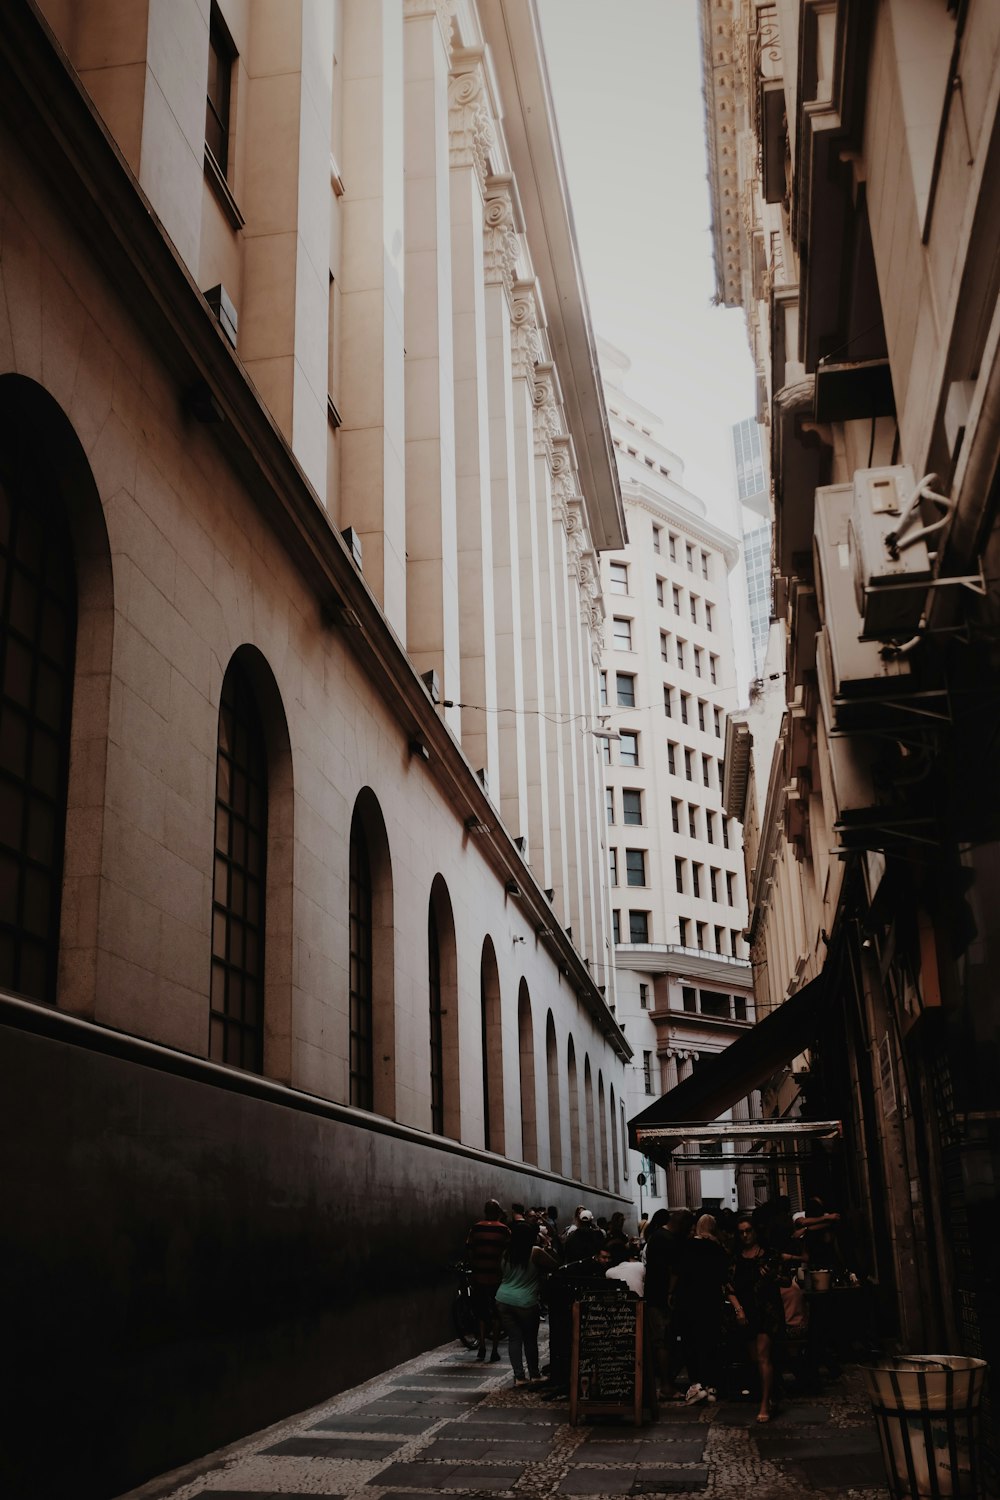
499 239
525 345
544 398
444 10
470 129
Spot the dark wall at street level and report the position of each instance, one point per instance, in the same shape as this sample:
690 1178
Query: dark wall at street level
193 1254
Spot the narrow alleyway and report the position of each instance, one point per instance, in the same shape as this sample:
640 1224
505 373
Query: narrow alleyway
442 1424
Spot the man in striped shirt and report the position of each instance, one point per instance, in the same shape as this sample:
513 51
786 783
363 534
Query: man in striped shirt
487 1241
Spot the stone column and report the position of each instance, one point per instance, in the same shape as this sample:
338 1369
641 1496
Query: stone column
372 438
432 613
554 488
675 1177
588 759
471 135
286 251
745 1198
570 542
692 1176
500 255
525 351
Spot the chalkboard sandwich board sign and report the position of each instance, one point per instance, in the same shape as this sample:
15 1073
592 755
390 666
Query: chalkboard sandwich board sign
606 1371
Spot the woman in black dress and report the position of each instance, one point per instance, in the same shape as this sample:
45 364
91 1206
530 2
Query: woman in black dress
759 1312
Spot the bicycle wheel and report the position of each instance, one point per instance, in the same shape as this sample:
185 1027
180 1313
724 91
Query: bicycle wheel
464 1318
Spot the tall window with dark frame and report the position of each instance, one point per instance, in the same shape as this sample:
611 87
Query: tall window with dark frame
437 1036
37 647
484 1030
360 898
236 1014
222 55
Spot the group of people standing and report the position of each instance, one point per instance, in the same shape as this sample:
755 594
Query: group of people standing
700 1276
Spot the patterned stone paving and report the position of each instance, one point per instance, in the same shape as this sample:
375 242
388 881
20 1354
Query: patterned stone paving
442 1424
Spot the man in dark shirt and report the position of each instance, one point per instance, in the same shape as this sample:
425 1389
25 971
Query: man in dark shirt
664 1237
487 1241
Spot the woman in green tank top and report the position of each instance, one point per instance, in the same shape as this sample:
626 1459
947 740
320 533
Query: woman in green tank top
523 1265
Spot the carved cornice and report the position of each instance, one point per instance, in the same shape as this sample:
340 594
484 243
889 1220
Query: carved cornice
500 245
525 345
470 130
545 402
563 481
444 10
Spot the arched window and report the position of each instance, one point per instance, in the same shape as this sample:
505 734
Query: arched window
588 1099
371 1002
361 1060
552 1072
37 647
616 1176
573 1084
492 1045
602 1127
437 1041
526 1049
442 972
236 1012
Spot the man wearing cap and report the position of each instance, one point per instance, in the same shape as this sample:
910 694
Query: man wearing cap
586 1238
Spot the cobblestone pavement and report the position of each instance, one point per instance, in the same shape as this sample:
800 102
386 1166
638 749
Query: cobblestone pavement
443 1424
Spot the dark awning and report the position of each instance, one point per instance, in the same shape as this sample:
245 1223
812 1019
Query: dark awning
720 1082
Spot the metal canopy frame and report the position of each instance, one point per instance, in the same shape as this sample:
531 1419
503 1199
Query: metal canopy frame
749 1132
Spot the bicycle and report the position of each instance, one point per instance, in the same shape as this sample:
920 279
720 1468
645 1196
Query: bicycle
463 1311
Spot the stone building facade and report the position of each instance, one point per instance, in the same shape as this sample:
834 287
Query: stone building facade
855 168
306 471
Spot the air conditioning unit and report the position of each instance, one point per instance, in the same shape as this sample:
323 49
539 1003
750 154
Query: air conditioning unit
850 757
890 580
856 670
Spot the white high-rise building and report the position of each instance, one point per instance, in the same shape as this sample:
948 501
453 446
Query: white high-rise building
752 494
684 988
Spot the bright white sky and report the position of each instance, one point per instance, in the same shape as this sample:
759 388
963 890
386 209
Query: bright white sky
626 76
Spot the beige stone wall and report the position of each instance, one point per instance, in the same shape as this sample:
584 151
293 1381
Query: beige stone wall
186 571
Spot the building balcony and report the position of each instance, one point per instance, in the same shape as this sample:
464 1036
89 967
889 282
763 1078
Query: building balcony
694 963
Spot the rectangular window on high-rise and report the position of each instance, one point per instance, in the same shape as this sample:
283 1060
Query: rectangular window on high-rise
628 748
635 866
609 803
638 926
617 578
622 634
632 807
625 689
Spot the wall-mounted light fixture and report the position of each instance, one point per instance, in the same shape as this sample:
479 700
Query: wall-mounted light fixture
476 825
512 888
419 749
